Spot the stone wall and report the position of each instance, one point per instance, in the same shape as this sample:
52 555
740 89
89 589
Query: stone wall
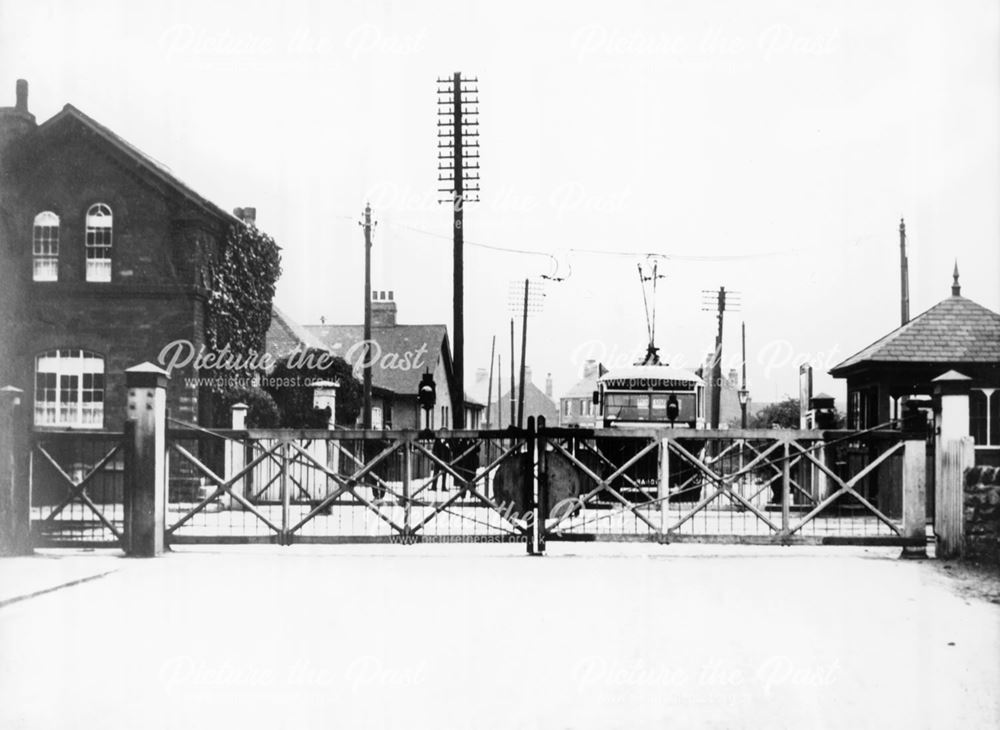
982 513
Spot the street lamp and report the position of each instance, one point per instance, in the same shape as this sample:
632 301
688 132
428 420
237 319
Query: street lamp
744 396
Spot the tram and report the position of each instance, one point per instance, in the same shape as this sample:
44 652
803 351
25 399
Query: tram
651 394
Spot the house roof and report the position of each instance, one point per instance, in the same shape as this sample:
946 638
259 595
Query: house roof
536 403
955 330
154 167
285 335
416 347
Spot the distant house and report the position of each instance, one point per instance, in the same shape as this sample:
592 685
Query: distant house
401 354
955 334
576 405
729 401
536 403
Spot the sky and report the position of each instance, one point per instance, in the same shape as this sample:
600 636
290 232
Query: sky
770 148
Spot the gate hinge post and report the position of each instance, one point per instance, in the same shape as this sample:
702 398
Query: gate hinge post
15 492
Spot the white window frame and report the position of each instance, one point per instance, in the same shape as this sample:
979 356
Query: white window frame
98 243
72 395
45 247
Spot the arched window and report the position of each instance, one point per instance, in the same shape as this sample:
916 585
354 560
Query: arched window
69 389
98 243
45 247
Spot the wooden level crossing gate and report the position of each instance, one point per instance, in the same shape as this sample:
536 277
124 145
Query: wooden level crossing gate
527 486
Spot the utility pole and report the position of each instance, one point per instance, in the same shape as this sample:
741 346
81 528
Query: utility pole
719 301
529 304
458 168
744 393
524 347
513 398
366 408
904 276
489 384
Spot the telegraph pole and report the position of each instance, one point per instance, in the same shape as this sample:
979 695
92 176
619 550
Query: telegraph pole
366 408
513 398
904 276
489 384
720 301
458 167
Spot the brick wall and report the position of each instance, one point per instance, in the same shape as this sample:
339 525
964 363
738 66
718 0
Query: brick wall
161 241
982 513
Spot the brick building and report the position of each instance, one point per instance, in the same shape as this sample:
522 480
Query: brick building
103 265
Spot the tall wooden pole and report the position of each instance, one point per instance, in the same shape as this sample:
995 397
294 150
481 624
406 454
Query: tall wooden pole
489 385
458 312
513 398
366 408
717 365
499 393
524 345
743 403
904 276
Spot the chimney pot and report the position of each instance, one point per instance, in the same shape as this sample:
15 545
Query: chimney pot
548 385
21 95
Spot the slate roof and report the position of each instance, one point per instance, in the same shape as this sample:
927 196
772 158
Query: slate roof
285 335
536 403
154 167
431 339
955 330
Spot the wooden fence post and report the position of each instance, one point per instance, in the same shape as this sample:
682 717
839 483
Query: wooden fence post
145 460
15 493
915 497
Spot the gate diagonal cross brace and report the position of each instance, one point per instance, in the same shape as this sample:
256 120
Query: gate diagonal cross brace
605 484
723 482
467 485
77 490
348 485
223 486
848 487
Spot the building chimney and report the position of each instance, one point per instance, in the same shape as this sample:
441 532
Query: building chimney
734 377
21 96
247 215
590 368
481 375
527 373
16 121
548 385
383 309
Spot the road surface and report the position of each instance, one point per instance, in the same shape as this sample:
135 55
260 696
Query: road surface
481 636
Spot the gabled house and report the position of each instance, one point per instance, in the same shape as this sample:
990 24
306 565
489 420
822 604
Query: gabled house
576 405
104 251
536 403
400 355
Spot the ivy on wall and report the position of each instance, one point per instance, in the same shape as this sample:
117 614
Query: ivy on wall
241 283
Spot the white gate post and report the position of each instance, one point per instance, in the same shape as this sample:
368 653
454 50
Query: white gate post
915 497
236 456
953 455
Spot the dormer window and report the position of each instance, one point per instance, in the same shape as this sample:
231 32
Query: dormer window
98 243
45 247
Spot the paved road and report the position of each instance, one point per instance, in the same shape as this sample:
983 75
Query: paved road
479 636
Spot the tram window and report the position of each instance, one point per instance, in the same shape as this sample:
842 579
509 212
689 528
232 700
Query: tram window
627 406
